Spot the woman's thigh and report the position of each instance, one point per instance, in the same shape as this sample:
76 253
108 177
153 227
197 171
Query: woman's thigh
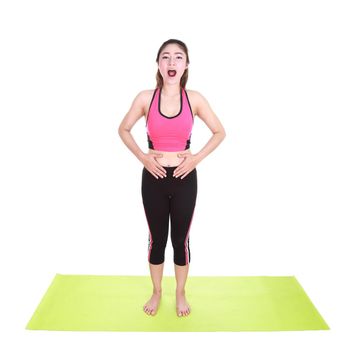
183 202
156 205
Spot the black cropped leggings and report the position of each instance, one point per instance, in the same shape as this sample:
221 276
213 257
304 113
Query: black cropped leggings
164 198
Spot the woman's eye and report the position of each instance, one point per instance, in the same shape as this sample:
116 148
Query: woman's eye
167 57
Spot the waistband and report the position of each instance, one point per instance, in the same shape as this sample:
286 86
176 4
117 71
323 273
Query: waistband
170 167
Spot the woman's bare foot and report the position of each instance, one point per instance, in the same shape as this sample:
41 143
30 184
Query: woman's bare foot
182 307
151 306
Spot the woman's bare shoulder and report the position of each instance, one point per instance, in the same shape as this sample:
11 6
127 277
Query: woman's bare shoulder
195 95
194 98
197 100
146 97
148 91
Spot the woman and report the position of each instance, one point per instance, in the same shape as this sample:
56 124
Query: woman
169 177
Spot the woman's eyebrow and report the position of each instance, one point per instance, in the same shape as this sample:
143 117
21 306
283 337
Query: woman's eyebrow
175 52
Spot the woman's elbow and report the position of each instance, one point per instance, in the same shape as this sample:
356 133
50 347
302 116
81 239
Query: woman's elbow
222 132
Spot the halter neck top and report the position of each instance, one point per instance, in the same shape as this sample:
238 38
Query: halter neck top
169 133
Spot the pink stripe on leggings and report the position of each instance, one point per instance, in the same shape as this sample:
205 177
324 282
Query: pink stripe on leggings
186 239
150 237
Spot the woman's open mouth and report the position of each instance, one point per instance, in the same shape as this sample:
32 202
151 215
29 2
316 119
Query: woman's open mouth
171 73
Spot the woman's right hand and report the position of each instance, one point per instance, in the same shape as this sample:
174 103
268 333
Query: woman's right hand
152 165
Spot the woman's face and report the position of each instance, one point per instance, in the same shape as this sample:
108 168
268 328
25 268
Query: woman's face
172 57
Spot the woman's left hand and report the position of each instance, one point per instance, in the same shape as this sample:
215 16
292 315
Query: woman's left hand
187 165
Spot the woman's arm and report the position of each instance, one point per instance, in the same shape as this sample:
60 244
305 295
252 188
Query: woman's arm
205 112
136 111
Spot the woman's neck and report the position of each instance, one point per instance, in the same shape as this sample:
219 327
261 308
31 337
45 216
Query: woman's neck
171 90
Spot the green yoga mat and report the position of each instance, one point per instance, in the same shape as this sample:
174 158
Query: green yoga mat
218 303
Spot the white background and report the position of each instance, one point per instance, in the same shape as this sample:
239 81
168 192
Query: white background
277 197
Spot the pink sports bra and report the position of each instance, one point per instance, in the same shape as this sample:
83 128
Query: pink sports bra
169 133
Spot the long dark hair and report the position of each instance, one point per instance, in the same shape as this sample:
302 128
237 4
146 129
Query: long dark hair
159 79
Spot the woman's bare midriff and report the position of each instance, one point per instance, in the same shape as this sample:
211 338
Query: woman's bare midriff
169 158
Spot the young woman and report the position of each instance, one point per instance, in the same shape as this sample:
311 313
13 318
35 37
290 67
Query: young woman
169 176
